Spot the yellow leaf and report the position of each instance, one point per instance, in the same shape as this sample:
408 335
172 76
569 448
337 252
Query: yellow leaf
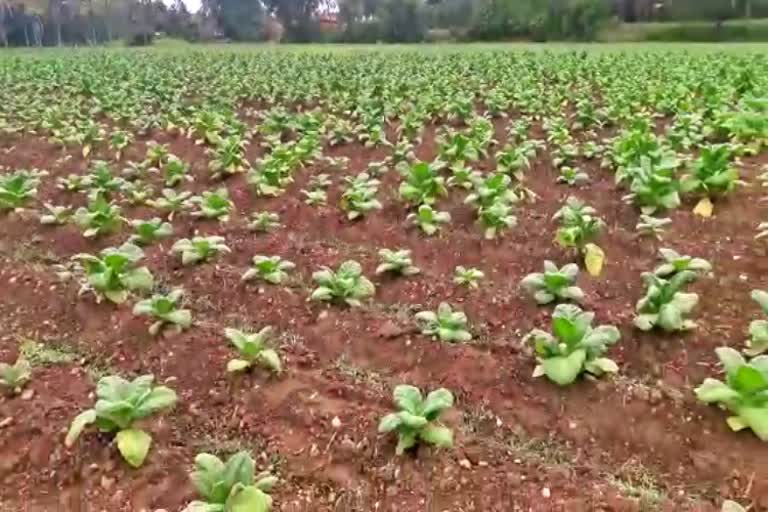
704 208
86 151
594 258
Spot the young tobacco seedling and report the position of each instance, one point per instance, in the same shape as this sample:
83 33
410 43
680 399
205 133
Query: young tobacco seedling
171 201
17 188
554 284
744 392
664 305
264 222
315 197
713 173
253 349
98 218
417 418
230 486
469 277
579 224
496 218
150 231
272 269
654 186
199 249
359 197
347 284
396 262
758 329
15 376
56 216
114 273
445 324
463 176
213 205
573 347
675 263
120 404
572 176
165 310
652 226
422 185
176 171
428 219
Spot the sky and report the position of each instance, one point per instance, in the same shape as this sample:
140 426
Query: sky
192 5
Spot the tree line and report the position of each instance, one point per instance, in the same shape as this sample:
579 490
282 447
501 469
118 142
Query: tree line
89 22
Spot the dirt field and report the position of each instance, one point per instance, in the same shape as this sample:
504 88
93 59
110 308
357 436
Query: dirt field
638 441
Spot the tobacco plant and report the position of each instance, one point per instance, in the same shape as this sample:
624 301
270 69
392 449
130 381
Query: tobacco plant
165 310
114 274
230 486
264 222
579 224
13 377
664 305
396 262
119 405
445 324
150 231
417 418
573 347
744 393
554 284
428 219
469 277
347 284
253 349
675 263
272 269
758 329
199 249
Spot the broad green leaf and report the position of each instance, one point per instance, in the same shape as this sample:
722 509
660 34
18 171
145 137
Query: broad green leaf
271 360
138 279
602 365
248 499
437 435
730 359
408 398
748 380
133 445
436 402
208 470
159 398
712 390
564 370
757 419
389 423
412 421
239 468
237 365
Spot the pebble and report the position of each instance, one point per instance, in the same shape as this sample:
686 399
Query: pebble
465 464
546 493
336 422
28 394
106 482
